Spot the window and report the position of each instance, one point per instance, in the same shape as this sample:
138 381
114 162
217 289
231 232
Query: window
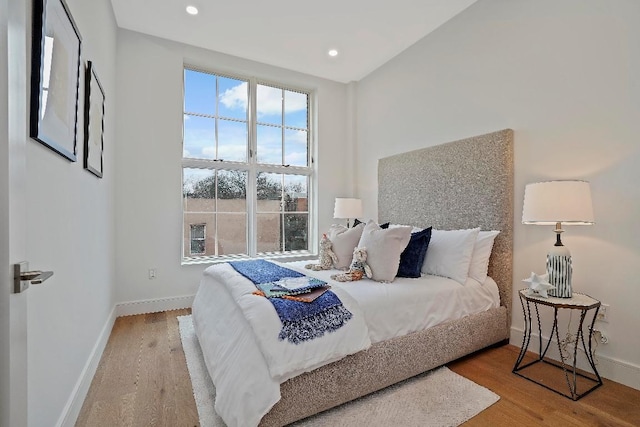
198 239
246 167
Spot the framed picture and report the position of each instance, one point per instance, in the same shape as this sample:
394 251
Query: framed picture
55 77
93 121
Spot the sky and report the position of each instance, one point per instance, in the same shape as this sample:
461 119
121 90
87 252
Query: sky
231 105
201 107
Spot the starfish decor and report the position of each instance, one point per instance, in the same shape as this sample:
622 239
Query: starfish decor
539 284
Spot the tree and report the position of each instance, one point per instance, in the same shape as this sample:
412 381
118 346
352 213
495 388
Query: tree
231 185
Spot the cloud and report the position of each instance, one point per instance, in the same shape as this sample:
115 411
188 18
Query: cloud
269 100
296 136
296 159
236 152
208 152
295 101
235 97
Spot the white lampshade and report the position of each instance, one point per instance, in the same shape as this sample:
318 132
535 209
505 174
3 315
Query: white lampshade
551 202
558 202
347 208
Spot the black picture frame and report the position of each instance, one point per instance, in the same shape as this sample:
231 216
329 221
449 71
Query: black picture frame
55 77
94 110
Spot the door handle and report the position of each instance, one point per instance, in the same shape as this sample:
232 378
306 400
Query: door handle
22 278
36 277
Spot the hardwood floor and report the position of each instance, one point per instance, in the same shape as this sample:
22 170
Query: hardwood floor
142 380
523 403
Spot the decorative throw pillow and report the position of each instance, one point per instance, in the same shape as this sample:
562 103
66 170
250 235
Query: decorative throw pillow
383 249
344 242
412 258
450 252
481 253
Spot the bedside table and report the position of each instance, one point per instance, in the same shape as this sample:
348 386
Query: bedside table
579 302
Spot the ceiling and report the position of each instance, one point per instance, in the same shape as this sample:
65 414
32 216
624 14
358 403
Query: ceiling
295 34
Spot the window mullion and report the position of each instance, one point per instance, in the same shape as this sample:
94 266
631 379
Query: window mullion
282 128
215 215
216 122
252 193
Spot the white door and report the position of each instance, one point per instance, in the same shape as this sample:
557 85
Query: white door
13 226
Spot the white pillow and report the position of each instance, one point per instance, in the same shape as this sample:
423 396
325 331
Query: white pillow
450 252
344 241
384 247
481 253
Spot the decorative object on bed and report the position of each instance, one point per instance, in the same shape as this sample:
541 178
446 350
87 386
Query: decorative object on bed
384 247
55 77
301 321
554 203
346 208
308 291
539 285
358 268
450 253
463 184
344 242
413 256
327 257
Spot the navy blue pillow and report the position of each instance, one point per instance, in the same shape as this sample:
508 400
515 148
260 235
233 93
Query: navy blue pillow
412 257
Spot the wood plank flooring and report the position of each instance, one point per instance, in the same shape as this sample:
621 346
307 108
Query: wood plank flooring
142 380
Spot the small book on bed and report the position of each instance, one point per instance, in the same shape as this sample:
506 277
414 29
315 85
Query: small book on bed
273 290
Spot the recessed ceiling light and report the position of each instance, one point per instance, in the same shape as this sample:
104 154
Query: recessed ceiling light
333 52
192 10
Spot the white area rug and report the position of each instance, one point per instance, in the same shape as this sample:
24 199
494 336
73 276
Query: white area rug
439 398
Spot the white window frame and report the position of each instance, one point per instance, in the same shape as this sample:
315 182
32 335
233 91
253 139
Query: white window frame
253 168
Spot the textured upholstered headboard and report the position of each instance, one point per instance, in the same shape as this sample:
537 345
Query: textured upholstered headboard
461 184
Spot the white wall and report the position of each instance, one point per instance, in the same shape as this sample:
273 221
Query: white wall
148 158
71 231
564 76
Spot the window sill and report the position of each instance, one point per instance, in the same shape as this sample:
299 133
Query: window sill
297 256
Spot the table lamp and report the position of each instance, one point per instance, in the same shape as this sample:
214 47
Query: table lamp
555 203
347 208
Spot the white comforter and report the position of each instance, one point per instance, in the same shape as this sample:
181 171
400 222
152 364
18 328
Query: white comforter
247 366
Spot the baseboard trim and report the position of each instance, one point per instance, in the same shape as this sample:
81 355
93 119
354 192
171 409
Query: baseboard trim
74 404
153 305
608 367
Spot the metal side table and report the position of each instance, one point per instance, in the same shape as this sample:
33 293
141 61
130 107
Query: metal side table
582 303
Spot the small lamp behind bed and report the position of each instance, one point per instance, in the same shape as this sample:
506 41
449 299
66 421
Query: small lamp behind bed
347 209
557 202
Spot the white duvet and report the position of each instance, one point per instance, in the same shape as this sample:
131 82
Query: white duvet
238 331
244 356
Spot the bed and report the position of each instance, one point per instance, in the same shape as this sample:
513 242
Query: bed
458 185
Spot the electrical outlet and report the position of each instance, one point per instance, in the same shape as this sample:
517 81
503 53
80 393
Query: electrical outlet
600 336
152 273
603 313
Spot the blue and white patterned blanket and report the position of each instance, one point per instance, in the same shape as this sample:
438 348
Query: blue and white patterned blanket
301 321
